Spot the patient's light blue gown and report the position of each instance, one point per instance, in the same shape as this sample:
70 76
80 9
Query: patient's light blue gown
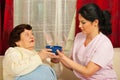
43 72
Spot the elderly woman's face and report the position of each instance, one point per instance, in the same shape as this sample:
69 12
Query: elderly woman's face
26 40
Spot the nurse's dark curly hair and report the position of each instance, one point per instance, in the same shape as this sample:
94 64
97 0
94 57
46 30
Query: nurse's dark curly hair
92 12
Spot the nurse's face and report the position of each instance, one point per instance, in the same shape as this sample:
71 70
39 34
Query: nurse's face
26 40
86 26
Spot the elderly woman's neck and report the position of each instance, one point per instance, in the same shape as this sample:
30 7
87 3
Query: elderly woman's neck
30 48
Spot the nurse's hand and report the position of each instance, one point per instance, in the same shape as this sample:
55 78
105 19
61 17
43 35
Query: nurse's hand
55 60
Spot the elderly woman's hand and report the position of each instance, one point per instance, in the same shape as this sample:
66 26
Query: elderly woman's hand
46 53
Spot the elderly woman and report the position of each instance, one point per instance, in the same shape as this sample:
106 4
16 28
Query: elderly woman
21 61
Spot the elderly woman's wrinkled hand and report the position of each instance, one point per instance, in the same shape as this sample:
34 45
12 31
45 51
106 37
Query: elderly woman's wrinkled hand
46 53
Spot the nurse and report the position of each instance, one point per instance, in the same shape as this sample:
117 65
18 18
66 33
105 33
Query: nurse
92 53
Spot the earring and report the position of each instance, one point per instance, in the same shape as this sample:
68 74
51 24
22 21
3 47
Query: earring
95 25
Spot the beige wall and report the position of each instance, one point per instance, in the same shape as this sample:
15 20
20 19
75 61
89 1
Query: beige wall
1 68
68 75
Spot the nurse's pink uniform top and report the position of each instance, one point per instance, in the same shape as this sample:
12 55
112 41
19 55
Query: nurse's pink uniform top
99 51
